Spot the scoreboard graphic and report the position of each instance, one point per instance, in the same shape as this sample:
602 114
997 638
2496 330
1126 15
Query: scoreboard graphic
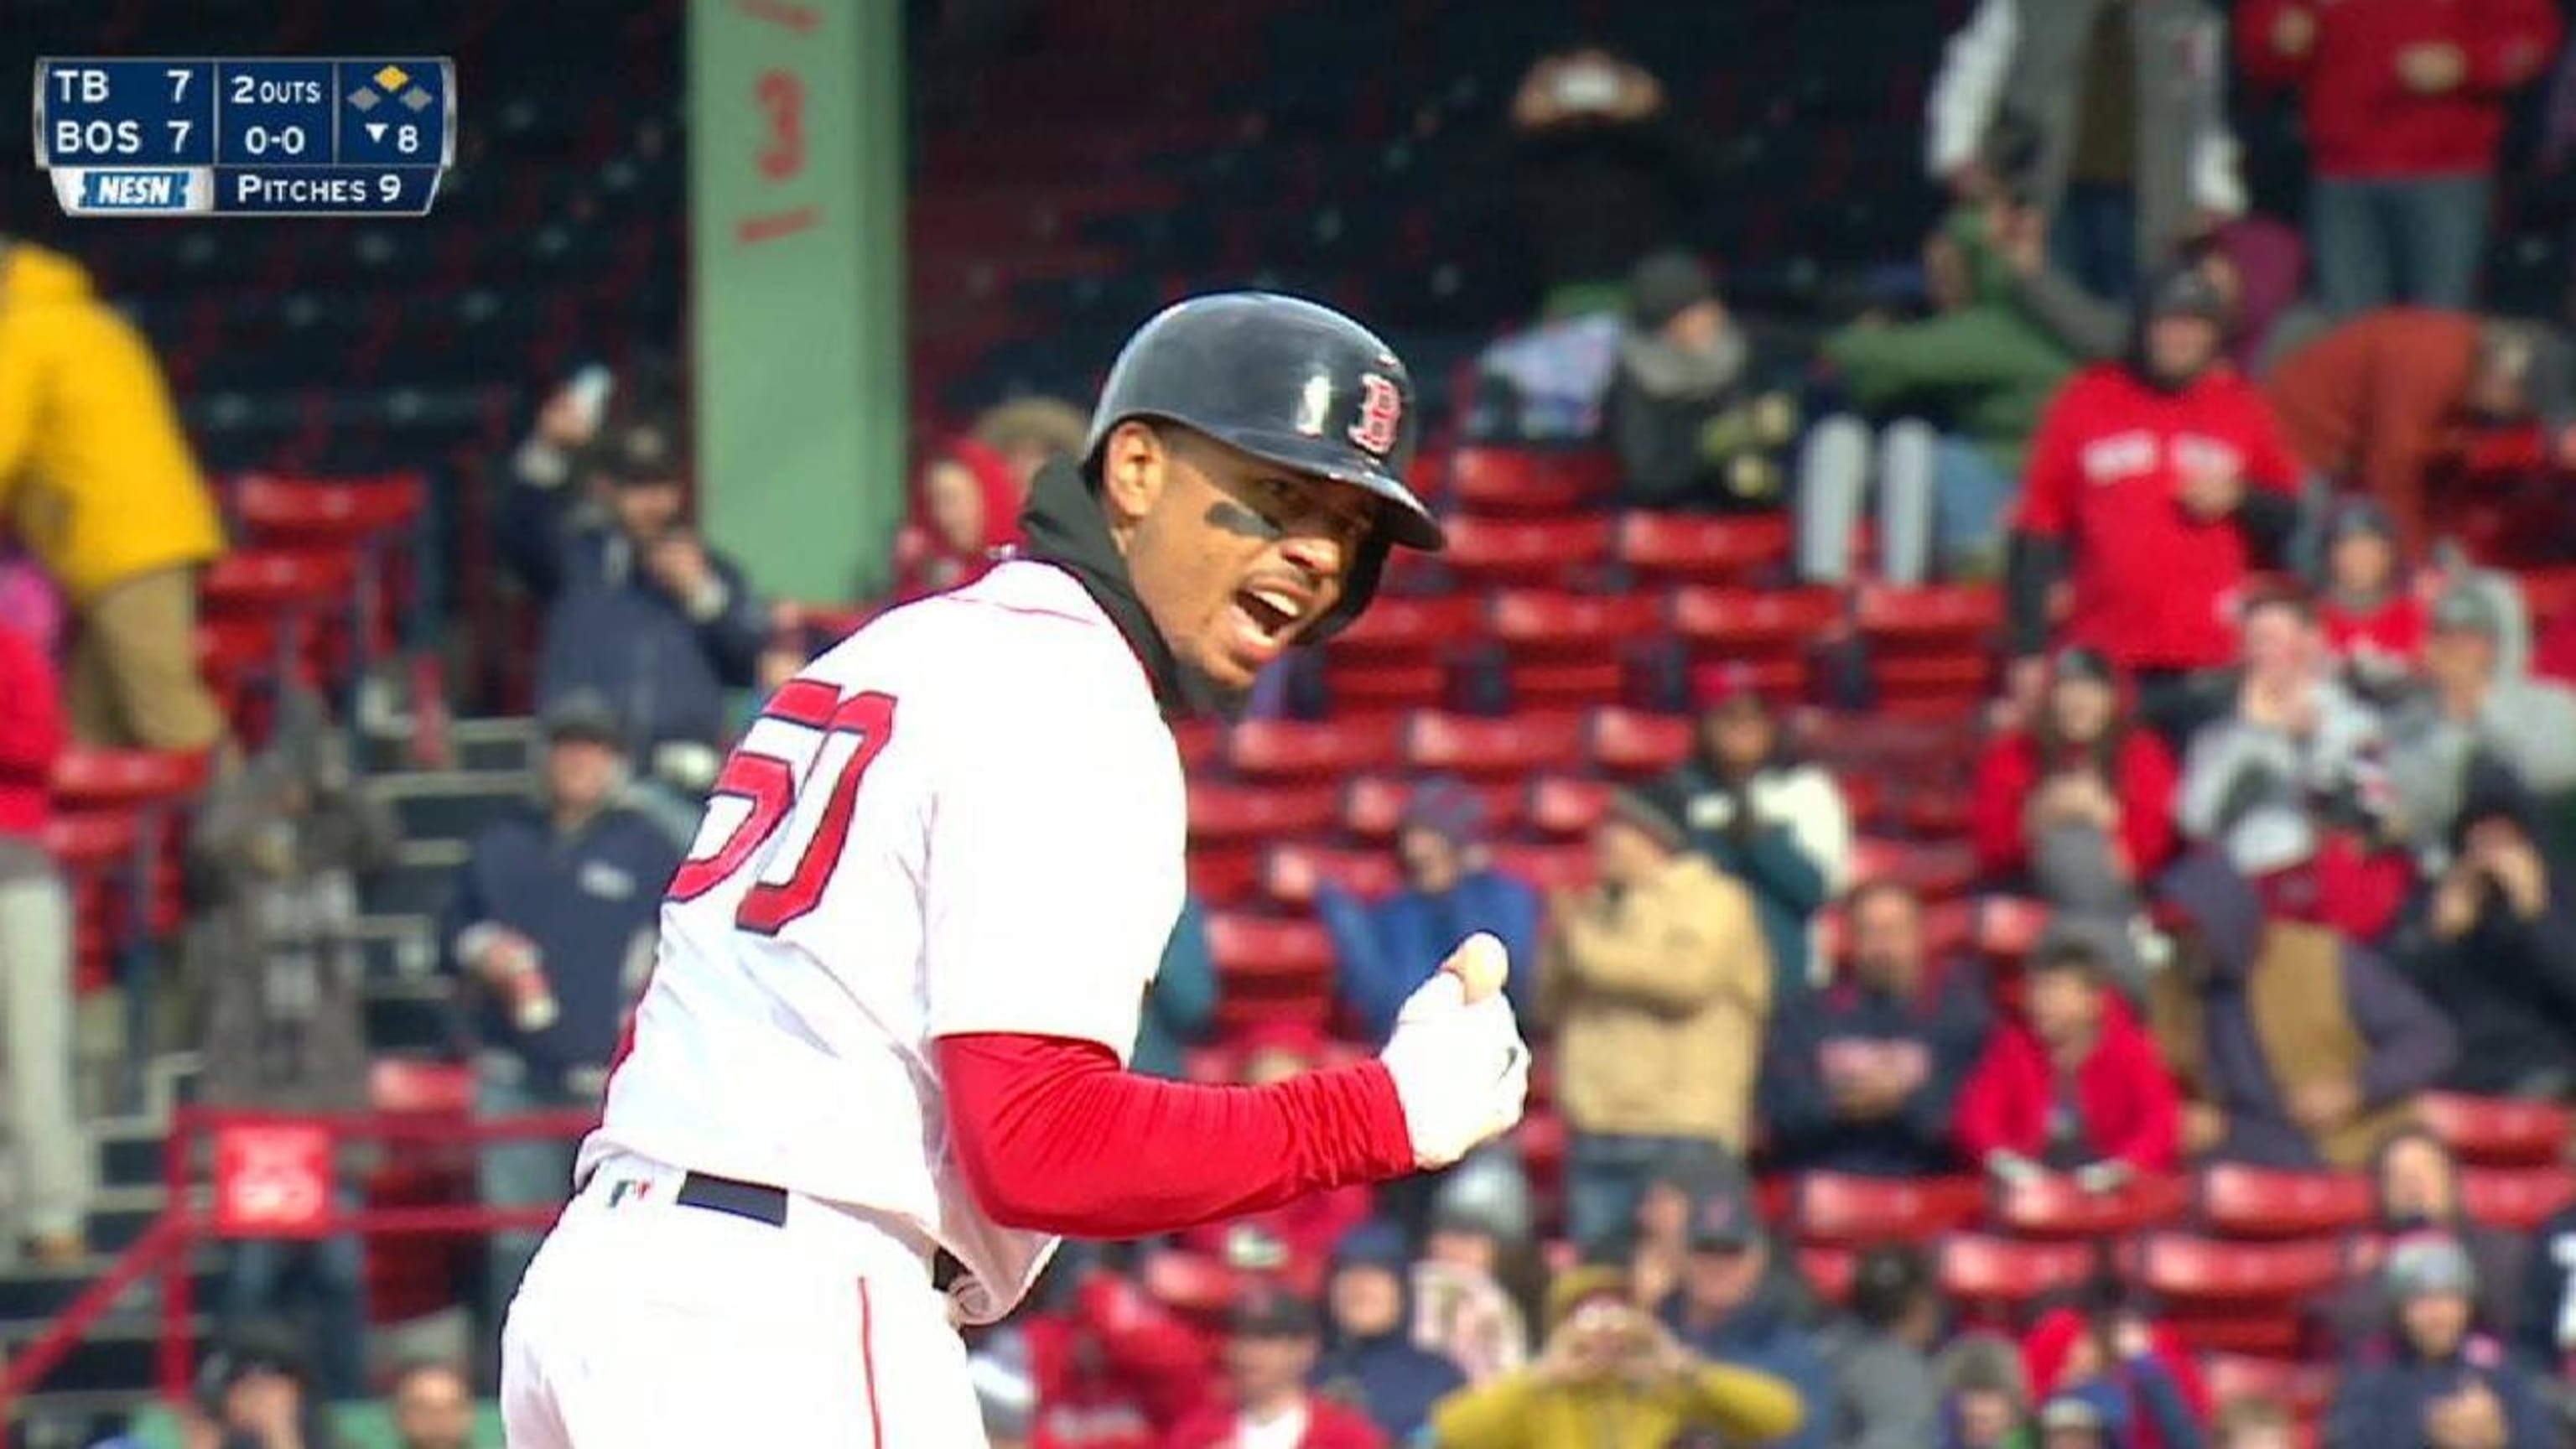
204 136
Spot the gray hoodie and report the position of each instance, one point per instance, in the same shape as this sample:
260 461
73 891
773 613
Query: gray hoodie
2527 725
2249 789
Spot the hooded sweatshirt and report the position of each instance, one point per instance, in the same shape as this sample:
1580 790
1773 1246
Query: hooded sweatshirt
1385 948
2527 725
2285 1003
2378 635
2156 1399
926 560
1384 1375
2508 984
1986 365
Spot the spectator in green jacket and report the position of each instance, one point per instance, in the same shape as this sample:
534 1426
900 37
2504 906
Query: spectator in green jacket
1960 393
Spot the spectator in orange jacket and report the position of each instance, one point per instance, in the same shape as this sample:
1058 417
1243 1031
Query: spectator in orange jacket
2376 404
2077 805
2074 1086
2404 103
1270 1348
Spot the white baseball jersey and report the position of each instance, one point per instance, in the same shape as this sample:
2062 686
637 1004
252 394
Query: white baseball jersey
966 817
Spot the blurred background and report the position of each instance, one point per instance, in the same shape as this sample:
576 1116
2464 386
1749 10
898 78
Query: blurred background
2005 654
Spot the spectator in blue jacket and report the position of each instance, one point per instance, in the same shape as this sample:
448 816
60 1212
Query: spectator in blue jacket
1862 1075
551 931
2434 1383
1388 947
1181 1004
1732 1308
1370 1359
638 607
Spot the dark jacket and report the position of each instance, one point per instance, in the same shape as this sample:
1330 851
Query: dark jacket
1690 429
2508 984
2544 1326
2265 1012
274 860
1181 1004
611 626
1387 947
2380 1398
1884 1395
1764 1335
1385 1377
1946 1022
590 901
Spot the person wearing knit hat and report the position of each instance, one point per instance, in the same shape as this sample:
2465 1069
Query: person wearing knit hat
2483 701
2436 1382
1689 428
1370 1359
2156 486
1765 817
1660 985
1384 948
2373 618
1610 1375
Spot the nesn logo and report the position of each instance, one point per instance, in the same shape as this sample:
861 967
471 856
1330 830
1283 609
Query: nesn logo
136 190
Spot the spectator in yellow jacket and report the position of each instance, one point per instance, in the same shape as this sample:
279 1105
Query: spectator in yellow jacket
1613 1378
98 483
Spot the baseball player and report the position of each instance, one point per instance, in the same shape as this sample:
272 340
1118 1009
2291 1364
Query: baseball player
881 1063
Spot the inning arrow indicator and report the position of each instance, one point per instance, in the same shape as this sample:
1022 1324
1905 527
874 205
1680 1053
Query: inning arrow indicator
375 130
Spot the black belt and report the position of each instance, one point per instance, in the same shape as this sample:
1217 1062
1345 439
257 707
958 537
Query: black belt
752 1200
761 1203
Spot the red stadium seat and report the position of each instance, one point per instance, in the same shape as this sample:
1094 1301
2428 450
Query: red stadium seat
1189 1283
2002 1276
417 1086
1200 742
2187 1267
1768 632
1474 746
1829 1271
2516 1198
2053 1206
1396 655
1633 743
1934 870
1569 648
1683 548
1547 867
2303 1388
2009 926
1525 550
1293 750
1290 873
1526 481
1259 813
2548 593
1266 949
91 842
86 778
1854 1211
1373 805
299 511
2496 1131
1567 805
273 580
1927 617
2240 1200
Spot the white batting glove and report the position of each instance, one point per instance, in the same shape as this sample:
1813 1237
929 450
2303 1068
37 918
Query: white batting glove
1461 1071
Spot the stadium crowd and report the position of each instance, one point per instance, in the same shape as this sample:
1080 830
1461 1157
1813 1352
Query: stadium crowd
2278 750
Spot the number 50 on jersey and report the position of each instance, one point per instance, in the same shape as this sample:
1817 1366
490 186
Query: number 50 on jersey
188 136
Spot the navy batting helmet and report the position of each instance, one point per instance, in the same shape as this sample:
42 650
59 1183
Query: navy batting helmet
1291 382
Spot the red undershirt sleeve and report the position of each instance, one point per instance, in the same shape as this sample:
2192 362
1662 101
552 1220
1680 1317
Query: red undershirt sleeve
1053 1135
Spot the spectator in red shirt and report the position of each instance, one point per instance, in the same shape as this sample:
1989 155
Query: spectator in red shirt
2155 485
2102 1341
2078 804
1111 1370
2074 1085
36 959
2371 614
1270 1348
965 511
2404 103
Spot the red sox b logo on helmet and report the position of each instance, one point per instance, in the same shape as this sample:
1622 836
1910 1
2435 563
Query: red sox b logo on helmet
1381 411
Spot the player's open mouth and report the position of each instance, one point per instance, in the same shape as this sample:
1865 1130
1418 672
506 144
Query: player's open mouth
1270 617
